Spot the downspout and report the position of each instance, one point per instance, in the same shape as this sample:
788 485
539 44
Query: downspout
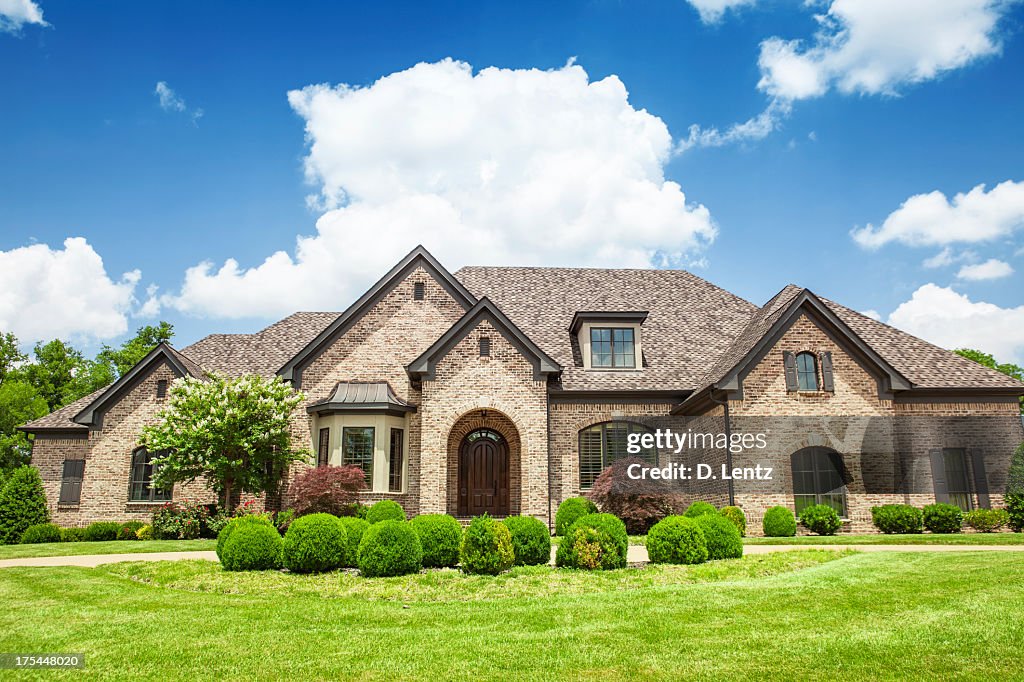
728 442
551 525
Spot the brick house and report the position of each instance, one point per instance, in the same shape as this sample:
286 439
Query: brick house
507 390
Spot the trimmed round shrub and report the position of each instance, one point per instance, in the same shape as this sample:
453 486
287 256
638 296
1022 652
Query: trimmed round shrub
779 522
723 538
354 529
252 547
314 544
531 540
897 518
943 518
39 533
385 510
389 548
571 509
145 533
820 519
604 549
699 508
486 547
233 524
72 535
102 531
441 538
983 520
22 504
737 517
677 540
129 530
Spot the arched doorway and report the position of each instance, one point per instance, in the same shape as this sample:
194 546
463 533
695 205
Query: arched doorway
484 474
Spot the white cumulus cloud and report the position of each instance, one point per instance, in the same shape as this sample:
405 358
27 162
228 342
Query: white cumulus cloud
952 320
711 11
64 293
16 13
504 166
876 46
933 220
993 268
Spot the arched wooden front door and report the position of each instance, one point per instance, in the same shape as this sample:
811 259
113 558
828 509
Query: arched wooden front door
483 474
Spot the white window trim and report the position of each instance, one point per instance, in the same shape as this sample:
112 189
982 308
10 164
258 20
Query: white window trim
382 425
638 352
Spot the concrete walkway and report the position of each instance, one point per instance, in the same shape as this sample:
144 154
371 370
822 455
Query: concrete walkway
637 553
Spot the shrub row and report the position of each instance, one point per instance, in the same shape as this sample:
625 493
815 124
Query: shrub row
694 539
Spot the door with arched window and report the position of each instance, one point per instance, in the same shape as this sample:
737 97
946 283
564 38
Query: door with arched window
484 474
819 478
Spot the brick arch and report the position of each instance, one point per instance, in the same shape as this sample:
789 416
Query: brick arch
484 418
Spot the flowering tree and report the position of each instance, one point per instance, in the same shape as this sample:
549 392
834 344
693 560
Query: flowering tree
233 432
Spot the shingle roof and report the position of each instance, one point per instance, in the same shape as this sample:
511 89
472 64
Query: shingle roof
690 321
61 417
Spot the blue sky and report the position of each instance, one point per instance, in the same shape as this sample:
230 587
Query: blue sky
869 110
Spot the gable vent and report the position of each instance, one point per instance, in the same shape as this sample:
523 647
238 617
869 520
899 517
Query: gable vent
418 291
485 346
161 388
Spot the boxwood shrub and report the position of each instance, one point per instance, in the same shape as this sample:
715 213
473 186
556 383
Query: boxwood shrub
389 548
943 518
314 544
233 525
699 508
252 547
986 520
22 504
441 538
677 540
737 517
72 535
820 519
354 529
145 533
102 531
39 533
594 541
129 530
722 536
385 510
571 509
897 518
779 522
531 540
486 547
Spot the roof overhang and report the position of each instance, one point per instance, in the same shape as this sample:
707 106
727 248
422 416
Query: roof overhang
609 316
361 397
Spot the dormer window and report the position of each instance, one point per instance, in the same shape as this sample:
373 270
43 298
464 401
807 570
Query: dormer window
609 340
612 347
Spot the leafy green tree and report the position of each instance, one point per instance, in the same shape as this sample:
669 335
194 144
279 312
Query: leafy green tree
10 355
53 372
989 361
122 359
19 403
232 432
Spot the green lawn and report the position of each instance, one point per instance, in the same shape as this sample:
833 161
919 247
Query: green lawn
879 539
113 547
860 616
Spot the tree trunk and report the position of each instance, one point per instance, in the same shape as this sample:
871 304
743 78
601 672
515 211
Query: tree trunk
227 496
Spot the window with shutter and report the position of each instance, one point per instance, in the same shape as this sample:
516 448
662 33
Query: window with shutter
807 371
71 481
827 381
789 364
602 444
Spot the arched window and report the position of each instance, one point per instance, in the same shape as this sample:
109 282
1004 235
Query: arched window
485 433
818 479
602 444
140 484
807 371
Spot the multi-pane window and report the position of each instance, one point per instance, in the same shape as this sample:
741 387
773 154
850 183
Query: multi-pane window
357 449
323 451
954 461
71 481
807 371
396 461
612 347
818 479
602 444
140 485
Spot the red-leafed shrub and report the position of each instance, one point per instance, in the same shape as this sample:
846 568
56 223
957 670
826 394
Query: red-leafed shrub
328 490
639 503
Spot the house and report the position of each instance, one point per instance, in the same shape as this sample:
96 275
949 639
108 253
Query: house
508 389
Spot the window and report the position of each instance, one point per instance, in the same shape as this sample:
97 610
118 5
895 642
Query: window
161 388
602 444
71 481
418 291
818 479
485 346
396 462
357 449
323 451
612 347
140 486
807 371
954 461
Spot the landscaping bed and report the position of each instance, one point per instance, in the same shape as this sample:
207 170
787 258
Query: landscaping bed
881 539
108 547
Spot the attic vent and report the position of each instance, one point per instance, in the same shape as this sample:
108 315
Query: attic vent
485 346
161 388
418 291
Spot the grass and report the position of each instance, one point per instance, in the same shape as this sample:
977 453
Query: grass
879 539
112 547
861 616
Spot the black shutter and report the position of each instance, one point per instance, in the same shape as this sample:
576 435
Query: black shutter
789 362
71 481
939 475
980 479
826 372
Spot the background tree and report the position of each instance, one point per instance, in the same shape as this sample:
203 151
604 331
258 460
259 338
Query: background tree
232 432
19 403
987 360
122 359
10 356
